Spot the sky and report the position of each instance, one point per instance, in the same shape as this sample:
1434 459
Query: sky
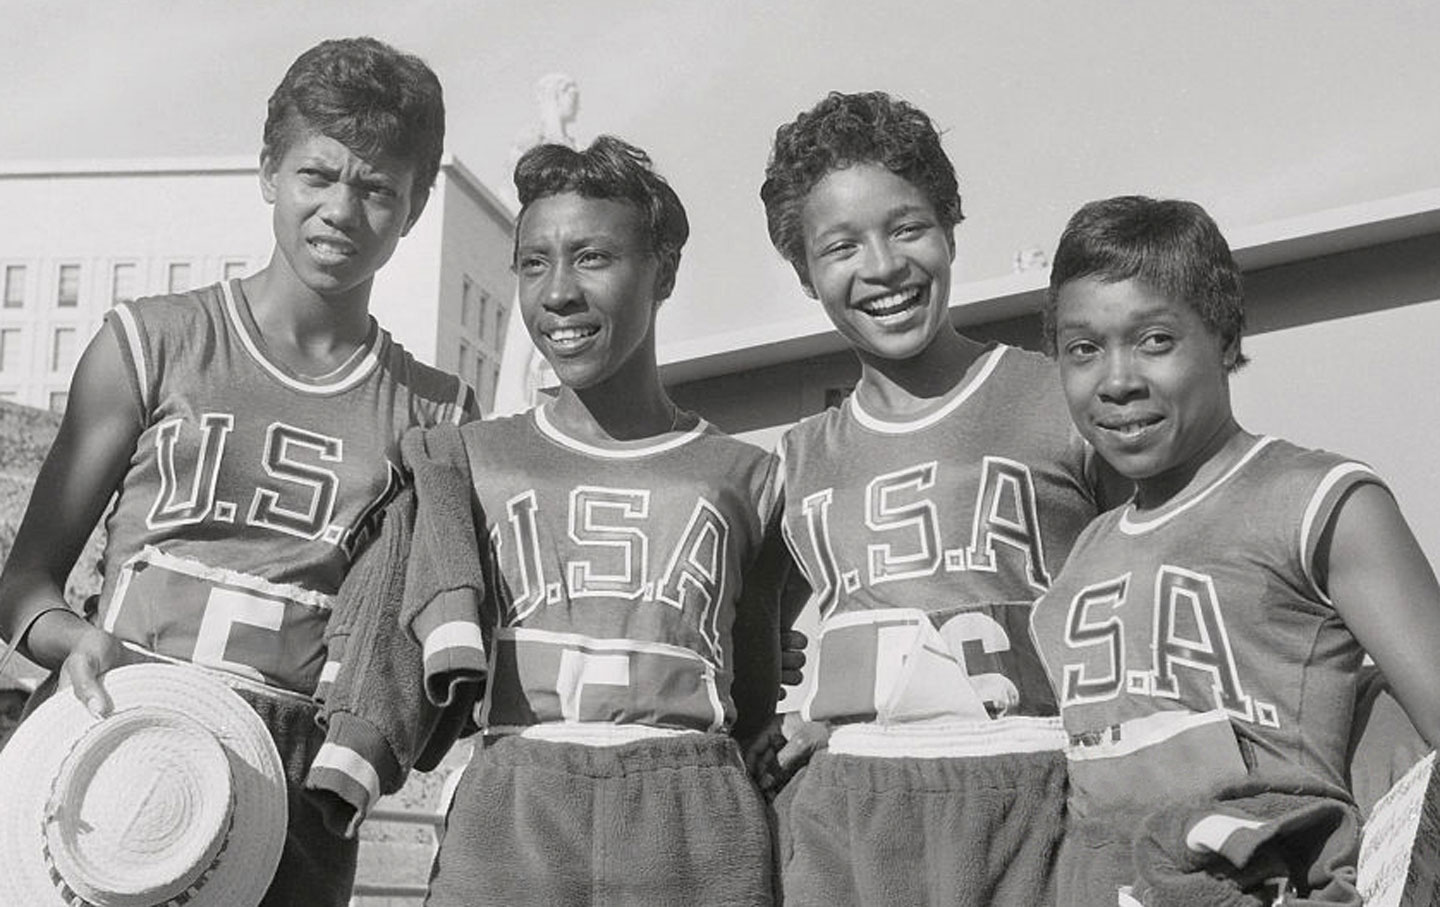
1259 110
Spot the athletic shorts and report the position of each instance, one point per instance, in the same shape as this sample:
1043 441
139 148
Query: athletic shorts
1097 857
966 822
671 820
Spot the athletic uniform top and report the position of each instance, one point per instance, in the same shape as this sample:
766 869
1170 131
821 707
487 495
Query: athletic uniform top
1163 626
926 541
250 487
616 572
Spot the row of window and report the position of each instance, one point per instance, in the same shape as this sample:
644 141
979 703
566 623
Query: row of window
56 400
483 312
61 351
480 369
124 281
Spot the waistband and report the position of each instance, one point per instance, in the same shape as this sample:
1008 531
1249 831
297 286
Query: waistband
654 754
949 739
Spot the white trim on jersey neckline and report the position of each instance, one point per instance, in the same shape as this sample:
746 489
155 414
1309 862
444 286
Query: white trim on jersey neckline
552 431
352 377
988 364
1131 526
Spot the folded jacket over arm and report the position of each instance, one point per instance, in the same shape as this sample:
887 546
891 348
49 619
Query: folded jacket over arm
407 657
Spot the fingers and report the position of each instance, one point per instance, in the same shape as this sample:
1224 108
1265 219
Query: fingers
81 674
792 657
790 673
804 738
95 653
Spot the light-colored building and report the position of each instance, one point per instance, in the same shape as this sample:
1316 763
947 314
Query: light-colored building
1344 316
79 236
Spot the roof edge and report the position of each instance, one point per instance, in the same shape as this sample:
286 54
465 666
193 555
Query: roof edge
1310 236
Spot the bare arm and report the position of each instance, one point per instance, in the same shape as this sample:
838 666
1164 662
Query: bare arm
756 639
81 472
1384 588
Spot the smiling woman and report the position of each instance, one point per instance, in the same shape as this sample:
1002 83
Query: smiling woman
639 638
589 287
1219 621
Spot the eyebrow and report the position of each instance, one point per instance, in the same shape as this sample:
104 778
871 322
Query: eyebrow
901 210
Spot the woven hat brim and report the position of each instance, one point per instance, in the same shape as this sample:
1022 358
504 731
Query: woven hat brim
30 760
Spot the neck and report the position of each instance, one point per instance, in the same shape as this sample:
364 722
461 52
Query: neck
293 317
905 386
627 406
1223 450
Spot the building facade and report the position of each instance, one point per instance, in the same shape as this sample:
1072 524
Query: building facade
1343 310
81 236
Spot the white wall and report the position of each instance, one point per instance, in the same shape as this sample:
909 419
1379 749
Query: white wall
1367 386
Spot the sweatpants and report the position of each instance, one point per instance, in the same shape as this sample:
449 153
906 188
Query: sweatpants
670 820
975 830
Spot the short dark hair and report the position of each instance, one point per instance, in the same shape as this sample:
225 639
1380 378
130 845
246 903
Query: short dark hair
366 95
610 168
1172 246
841 131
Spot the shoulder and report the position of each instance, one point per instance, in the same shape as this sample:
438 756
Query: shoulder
1019 360
1020 372
175 312
1288 469
809 431
438 396
715 439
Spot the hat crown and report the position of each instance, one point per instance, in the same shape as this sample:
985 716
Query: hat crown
140 810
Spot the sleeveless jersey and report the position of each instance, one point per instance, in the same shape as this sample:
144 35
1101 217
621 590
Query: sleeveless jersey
925 543
616 572
1162 626
250 487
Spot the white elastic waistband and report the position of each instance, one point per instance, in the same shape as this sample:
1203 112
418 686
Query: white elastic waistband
591 733
948 739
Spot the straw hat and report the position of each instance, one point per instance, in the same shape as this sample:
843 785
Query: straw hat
178 797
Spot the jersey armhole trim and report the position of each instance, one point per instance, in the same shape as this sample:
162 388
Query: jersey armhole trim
128 332
1321 509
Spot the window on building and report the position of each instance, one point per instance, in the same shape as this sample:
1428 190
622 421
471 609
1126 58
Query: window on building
10 350
490 330
14 286
58 400
62 350
179 280
68 295
234 269
462 363
10 396
122 282
467 302
486 375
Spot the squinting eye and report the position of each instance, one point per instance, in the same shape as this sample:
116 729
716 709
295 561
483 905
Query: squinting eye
1156 343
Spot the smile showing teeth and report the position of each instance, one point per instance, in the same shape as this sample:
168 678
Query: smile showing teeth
891 303
1129 428
570 335
332 249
